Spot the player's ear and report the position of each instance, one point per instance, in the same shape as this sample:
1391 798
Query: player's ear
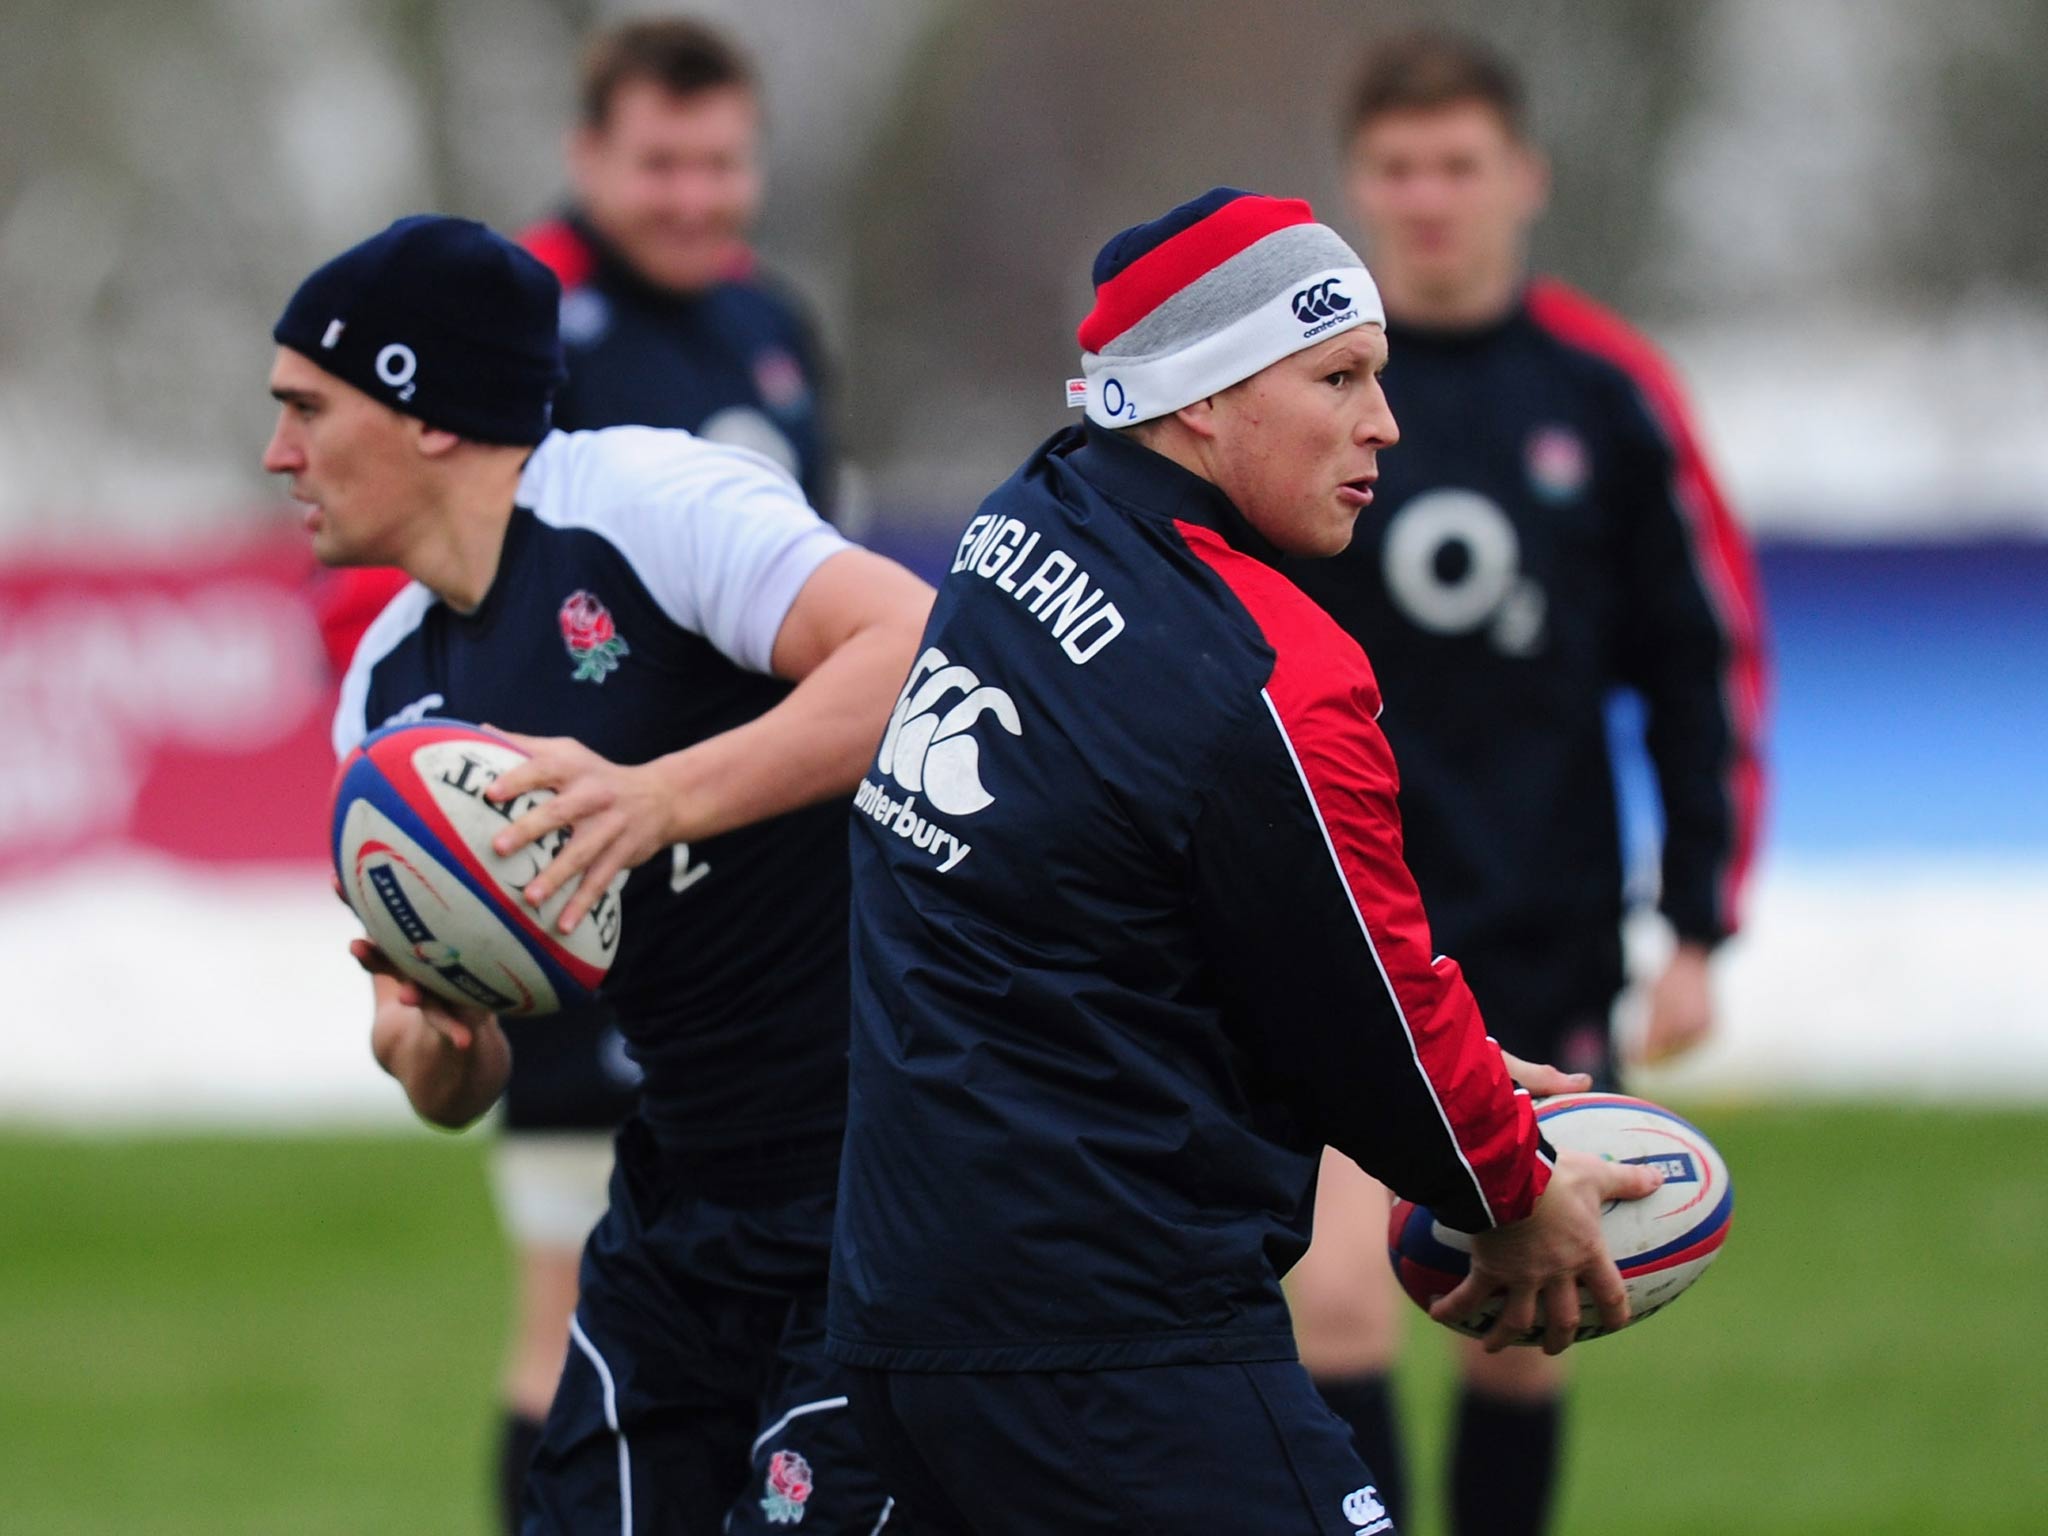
433 442
1200 417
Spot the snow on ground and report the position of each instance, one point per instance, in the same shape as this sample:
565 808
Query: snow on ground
149 994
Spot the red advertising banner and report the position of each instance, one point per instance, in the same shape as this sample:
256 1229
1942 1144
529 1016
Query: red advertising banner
178 704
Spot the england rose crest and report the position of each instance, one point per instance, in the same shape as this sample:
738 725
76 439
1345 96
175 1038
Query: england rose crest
593 641
789 1488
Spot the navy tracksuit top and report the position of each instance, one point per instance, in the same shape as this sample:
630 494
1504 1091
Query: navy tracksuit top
737 363
1548 531
1133 940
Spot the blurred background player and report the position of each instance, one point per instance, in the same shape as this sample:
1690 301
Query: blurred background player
748 658
666 321
1547 534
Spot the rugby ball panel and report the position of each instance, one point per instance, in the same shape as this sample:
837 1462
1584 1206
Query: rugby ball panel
431 924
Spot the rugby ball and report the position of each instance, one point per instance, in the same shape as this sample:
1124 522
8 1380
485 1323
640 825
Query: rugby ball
1661 1243
412 848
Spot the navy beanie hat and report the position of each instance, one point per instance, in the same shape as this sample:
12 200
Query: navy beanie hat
442 319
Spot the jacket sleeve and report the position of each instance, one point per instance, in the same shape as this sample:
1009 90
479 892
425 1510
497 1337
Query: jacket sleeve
1692 646
1317 932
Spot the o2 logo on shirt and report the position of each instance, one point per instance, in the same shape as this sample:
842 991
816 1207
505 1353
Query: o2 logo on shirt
1452 562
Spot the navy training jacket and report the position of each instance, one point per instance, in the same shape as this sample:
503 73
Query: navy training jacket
737 363
1547 532
1133 940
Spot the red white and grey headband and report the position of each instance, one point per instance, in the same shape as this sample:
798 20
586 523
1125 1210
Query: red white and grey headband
1203 298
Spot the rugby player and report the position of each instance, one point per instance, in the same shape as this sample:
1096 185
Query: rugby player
1133 942
667 316
667 320
673 604
1549 533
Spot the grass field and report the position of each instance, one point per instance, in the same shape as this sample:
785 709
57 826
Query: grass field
299 1336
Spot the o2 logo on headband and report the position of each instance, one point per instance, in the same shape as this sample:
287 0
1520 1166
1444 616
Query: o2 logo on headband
1115 405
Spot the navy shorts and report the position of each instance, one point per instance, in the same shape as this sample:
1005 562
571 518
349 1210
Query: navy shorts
1166 1450
697 1398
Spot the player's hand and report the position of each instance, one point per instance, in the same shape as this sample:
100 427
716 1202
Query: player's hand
1681 1006
618 817
1544 1081
452 1061
1549 1255
410 1018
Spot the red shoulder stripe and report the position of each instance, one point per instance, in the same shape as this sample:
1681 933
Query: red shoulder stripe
561 250
1721 552
346 602
1323 698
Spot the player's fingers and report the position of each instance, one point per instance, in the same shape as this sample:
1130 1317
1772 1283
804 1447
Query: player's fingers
1517 1317
1470 1294
456 1032
1543 1080
593 838
377 963
596 881
1629 1181
1610 1296
371 958
542 770
549 815
1560 1315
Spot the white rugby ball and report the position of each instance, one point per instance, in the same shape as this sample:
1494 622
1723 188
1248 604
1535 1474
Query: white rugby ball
1661 1243
412 848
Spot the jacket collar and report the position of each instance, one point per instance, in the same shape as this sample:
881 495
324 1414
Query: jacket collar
1152 485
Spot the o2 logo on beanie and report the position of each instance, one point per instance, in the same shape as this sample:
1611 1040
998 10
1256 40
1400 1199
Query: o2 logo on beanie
396 365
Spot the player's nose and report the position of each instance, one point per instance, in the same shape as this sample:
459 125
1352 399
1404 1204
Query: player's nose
282 455
1376 427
